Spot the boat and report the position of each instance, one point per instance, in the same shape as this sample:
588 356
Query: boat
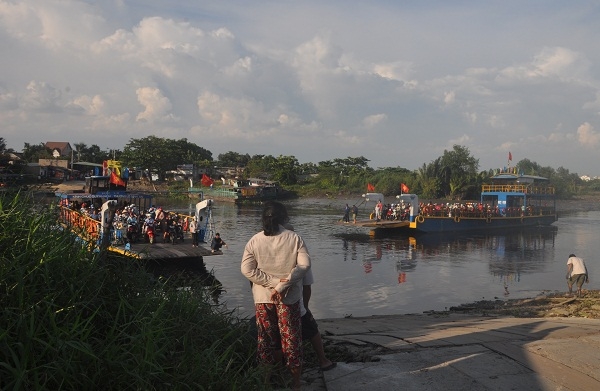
106 192
510 201
242 191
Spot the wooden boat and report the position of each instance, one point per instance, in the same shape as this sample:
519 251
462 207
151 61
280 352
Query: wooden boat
510 201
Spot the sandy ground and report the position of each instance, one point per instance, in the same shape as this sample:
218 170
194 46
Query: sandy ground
545 305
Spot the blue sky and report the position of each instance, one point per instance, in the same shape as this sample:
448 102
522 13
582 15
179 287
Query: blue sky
397 82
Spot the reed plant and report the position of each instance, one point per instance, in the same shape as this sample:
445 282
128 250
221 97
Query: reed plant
71 322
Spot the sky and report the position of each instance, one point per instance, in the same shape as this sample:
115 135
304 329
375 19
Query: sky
397 82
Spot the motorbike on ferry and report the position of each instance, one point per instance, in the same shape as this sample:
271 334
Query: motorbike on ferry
132 232
174 233
169 235
179 232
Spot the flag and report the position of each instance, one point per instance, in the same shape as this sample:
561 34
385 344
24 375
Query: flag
114 179
206 181
370 187
509 157
404 188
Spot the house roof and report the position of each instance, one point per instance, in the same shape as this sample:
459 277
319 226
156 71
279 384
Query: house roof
58 145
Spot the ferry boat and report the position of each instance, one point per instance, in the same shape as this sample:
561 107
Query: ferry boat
510 201
241 191
99 191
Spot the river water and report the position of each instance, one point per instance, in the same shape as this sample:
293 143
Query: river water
359 275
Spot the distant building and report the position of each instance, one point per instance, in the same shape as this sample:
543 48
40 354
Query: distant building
56 168
61 148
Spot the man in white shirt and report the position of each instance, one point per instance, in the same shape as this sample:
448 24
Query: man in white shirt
576 273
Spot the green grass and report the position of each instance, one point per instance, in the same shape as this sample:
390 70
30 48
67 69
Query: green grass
69 321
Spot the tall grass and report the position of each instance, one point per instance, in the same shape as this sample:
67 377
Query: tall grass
70 322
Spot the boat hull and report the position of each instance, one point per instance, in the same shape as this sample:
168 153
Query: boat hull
458 224
239 197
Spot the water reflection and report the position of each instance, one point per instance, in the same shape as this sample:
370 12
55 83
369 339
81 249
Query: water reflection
502 247
507 255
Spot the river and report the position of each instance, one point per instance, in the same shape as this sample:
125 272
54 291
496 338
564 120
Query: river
358 275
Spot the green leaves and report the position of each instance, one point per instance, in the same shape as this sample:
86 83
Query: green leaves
162 154
71 322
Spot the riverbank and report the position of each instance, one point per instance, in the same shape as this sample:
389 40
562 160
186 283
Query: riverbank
465 352
546 305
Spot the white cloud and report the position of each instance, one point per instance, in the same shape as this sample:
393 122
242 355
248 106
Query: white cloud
41 96
587 136
398 70
449 97
229 76
373 120
92 105
157 106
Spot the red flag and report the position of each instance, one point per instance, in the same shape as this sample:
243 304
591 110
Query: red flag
370 187
114 179
404 188
510 157
206 180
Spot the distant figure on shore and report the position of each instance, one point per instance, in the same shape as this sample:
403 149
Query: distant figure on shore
576 273
347 214
354 213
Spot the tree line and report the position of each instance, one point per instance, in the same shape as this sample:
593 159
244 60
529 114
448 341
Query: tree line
454 175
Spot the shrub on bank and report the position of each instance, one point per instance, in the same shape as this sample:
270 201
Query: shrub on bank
72 322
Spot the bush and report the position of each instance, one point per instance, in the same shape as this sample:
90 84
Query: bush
70 321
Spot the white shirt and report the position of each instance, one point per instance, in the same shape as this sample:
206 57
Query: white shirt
578 265
268 259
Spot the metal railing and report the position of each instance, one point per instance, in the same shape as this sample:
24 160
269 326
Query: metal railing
528 189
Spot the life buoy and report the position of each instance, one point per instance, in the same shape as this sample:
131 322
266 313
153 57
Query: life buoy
456 219
420 219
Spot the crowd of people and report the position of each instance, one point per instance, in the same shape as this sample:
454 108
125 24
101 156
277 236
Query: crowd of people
130 224
401 211
476 209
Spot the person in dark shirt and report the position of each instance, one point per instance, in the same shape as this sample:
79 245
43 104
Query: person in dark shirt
217 243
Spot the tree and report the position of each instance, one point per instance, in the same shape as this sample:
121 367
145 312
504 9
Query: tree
343 172
233 159
285 170
308 168
457 170
282 169
160 154
428 179
32 153
92 154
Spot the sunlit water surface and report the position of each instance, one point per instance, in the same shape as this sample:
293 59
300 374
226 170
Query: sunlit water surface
359 275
